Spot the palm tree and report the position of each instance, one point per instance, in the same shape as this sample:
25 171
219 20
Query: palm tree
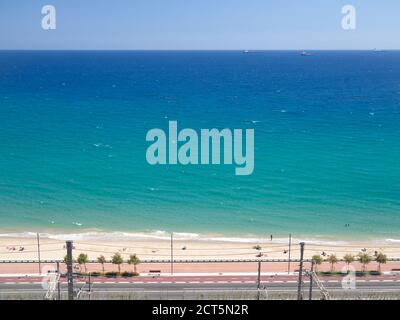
118 260
364 258
66 259
381 258
83 259
133 259
317 260
348 258
332 260
102 260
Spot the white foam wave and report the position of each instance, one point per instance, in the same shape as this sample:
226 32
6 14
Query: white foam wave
393 240
18 235
183 236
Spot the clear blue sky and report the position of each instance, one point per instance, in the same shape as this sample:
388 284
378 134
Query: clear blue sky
199 24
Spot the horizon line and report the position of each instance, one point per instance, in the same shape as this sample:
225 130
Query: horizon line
248 50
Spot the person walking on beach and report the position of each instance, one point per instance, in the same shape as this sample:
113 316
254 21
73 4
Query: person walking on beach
271 237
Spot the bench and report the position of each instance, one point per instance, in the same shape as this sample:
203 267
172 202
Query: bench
154 273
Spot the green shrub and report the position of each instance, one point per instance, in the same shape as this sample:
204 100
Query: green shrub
111 274
331 273
127 274
95 274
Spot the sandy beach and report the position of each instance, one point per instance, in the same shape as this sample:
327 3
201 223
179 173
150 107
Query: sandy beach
26 248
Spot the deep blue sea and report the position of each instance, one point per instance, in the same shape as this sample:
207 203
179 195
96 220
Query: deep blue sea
327 142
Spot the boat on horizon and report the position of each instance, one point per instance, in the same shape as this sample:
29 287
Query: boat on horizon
306 54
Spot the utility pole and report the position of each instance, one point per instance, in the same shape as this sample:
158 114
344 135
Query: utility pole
58 283
259 280
300 284
290 248
38 250
90 286
311 279
172 253
69 271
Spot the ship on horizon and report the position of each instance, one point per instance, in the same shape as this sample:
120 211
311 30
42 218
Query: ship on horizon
306 54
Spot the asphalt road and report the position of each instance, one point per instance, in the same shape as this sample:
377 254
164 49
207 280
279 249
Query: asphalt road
197 290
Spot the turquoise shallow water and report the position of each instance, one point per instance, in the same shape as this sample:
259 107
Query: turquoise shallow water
327 147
